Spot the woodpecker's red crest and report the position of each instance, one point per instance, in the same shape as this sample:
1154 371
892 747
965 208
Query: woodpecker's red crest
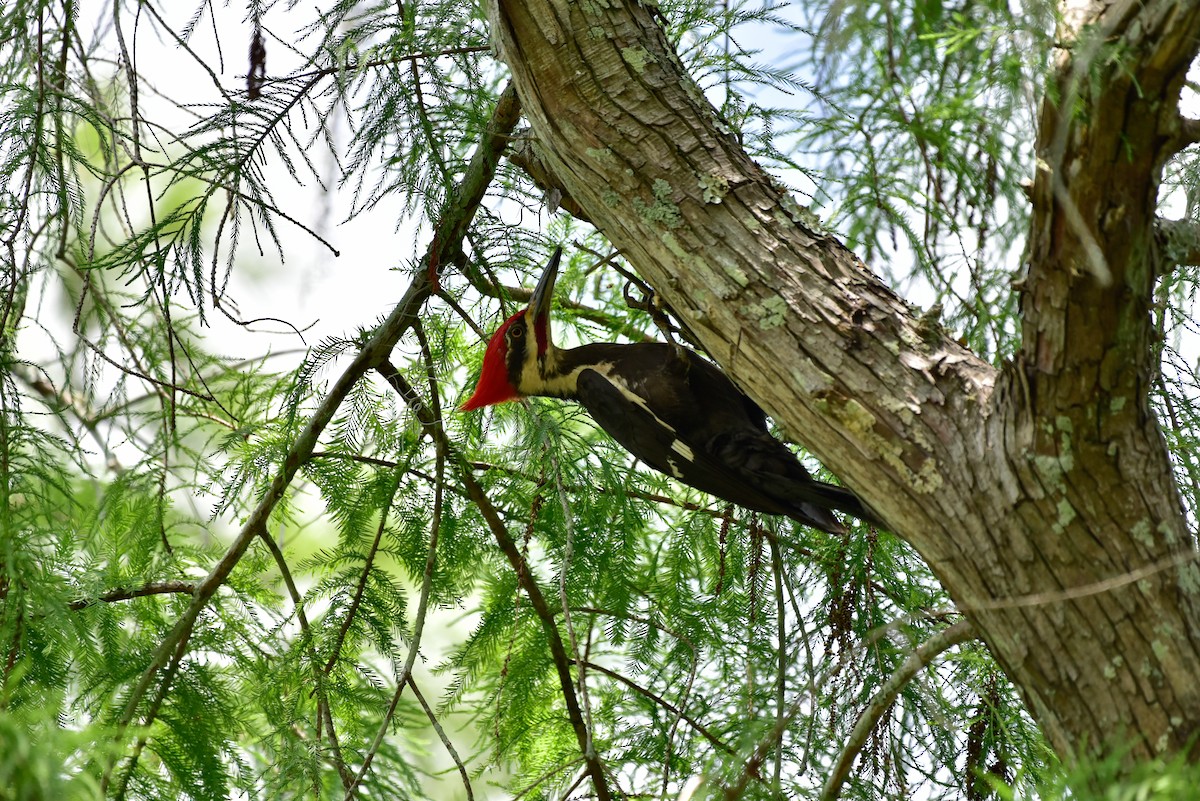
507 357
494 385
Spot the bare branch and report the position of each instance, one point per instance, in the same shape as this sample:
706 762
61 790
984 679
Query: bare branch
368 563
678 712
947 638
435 525
324 714
1189 131
123 594
380 62
441 732
414 646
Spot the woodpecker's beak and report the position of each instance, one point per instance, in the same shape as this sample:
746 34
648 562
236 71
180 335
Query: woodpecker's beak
539 301
538 313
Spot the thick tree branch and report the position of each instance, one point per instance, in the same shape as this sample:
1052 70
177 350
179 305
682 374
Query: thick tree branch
1076 407
1096 190
1049 474
1189 131
717 238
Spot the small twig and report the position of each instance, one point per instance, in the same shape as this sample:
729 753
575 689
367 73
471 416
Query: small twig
380 62
1082 590
580 310
1179 242
386 369
323 711
1096 261
750 770
441 733
644 496
361 588
354 457
809 668
537 599
781 676
552 771
137 371
123 594
947 638
1189 130
568 549
665 704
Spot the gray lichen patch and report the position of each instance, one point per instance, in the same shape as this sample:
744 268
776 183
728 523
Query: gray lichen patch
738 275
1066 515
604 154
850 413
1110 670
637 57
1189 579
663 211
594 8
713 187
927 480
1049 470
674 246
859 420
904 411
1066 456
711 277
797 214
1053 467
1141 533
771 313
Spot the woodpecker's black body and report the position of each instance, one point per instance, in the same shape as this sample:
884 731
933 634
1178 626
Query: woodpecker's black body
667 406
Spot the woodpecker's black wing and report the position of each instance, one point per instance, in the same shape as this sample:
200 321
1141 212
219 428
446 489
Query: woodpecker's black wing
684 417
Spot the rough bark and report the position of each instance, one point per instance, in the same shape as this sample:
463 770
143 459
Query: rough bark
1042 494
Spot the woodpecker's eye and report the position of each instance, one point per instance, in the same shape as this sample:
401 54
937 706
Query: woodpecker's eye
516 332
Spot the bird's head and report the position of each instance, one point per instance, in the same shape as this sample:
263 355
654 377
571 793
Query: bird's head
515 360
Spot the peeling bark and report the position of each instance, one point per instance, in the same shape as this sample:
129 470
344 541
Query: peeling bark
1031 491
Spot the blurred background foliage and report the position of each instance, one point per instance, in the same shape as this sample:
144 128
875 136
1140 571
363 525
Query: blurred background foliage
185 189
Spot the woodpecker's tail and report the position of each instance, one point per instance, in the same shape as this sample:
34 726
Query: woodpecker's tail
831 496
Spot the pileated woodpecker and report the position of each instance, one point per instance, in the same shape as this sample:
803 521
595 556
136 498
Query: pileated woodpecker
666 405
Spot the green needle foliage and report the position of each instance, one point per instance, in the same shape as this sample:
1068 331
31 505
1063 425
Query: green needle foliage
372 637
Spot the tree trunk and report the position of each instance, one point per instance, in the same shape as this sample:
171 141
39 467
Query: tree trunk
1042 494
